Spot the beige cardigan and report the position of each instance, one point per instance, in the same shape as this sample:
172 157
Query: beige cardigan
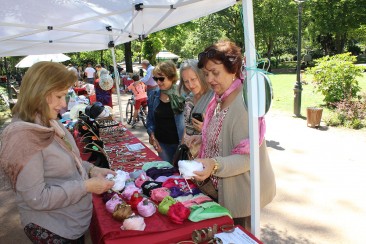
234 169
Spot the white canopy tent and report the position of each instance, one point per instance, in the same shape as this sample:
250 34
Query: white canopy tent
46 26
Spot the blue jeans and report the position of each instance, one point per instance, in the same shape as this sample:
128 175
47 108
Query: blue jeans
168 151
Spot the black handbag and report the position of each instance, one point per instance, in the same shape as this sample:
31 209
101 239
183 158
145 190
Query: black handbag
182 153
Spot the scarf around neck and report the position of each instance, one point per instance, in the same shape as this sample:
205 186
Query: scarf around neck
215 104
176 101
33 138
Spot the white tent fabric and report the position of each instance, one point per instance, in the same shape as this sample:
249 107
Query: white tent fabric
32 59
44 26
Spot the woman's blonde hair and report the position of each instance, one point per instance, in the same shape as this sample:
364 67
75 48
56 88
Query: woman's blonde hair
167 69
38 83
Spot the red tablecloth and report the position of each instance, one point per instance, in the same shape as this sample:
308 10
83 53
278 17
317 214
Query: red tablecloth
159 228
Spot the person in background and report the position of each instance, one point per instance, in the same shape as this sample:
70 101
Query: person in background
52 184
165 120
90 74
103 96
72 68
150 83
225 149
196 101
138 89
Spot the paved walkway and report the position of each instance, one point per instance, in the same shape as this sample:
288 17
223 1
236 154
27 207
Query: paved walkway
320 176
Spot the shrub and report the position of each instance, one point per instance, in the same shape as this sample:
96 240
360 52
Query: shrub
350 113
335 77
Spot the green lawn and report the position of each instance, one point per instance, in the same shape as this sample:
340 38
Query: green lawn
283 93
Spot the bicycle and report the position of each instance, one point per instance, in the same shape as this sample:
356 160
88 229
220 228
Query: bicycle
141 116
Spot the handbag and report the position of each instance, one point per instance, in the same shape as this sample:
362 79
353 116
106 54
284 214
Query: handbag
207 188
182 153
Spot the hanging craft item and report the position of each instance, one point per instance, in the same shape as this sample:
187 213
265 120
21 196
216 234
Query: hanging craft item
265 93
105 80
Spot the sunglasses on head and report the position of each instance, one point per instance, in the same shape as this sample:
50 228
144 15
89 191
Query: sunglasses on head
216 55
161 79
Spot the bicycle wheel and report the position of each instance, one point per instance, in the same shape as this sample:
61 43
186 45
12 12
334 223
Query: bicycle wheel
129 111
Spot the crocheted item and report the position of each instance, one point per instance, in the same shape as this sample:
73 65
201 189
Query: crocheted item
187 167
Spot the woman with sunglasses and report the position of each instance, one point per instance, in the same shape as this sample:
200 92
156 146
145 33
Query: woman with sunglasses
53 185
200 94
165 120
224 148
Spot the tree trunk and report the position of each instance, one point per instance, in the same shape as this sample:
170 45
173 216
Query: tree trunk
128 57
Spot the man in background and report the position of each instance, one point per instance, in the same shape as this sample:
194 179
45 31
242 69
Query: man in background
151 85
90 73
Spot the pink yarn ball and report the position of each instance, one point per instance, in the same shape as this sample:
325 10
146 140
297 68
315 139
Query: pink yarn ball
129 190
135 222
112 203
146 208
158 194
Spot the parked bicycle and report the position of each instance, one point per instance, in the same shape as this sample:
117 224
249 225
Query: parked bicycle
129 113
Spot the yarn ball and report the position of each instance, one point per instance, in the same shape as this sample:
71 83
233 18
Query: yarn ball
113 202
146 208
129 190
141 179
158 194
135 199
165 205
177 213
122 212
134 222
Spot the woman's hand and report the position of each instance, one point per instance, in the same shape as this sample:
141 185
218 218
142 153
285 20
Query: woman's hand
197 125
155 143
208 166
98 184
193 140
96 171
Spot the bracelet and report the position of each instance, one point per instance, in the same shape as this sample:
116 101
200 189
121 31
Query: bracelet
216 167
89 172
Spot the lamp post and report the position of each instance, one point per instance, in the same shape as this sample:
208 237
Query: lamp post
298 86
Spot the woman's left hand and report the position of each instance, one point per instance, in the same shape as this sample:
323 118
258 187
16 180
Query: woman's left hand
96 171
208 166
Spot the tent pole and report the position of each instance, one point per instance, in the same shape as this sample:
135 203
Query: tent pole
252 79
116 76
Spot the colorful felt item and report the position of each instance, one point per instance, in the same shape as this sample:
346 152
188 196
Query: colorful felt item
134 222
135 199
129 190
165 205
146 208
158 194
113 202
177 213
207 210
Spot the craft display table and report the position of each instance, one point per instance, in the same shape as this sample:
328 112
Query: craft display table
159 228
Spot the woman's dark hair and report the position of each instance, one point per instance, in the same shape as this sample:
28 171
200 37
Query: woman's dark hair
223 52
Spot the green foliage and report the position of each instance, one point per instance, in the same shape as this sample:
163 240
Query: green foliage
151 46
335 77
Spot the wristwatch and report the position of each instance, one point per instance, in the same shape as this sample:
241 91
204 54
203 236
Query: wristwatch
216 167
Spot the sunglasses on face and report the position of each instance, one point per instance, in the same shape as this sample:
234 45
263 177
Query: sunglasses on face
161 79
